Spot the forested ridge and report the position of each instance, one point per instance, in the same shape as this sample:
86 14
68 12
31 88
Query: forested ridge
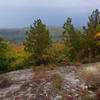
18 35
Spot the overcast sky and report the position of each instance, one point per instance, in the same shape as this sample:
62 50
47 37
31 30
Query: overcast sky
21 13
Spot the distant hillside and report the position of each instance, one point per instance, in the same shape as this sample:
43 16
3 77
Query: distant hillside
56 33
17 35
13 35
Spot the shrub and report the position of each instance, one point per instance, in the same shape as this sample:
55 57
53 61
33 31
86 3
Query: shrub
89 97
77 64
4 59
57 81
56 54
69 97
5 82
43 68
85 60
17 57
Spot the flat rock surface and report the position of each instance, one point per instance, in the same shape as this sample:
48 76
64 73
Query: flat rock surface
17 77
69 74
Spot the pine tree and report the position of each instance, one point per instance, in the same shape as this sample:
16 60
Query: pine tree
94 19
72 39
91 31
37 41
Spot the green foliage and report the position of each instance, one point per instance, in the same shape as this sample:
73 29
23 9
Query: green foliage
17 57
77 46
72 40
82 46
4 61
57 53
94 19
37 41
90 33
11 57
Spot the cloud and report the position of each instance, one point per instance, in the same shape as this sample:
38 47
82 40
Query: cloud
50 3
53 12
15 3
72 6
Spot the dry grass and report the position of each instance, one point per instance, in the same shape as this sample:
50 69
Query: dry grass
57 81
92 77
44 68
